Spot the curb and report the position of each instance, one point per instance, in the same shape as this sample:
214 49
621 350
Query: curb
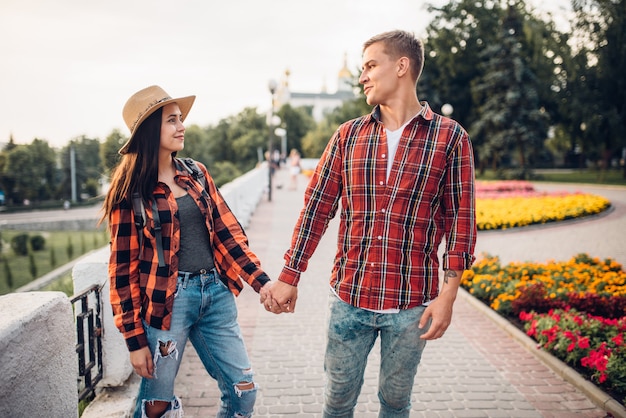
596 395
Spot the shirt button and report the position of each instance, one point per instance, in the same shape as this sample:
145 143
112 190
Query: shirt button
380 237
373 264
382 183
383 210
384 155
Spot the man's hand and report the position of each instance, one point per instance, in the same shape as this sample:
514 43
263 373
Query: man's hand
439 312
141 361
283 298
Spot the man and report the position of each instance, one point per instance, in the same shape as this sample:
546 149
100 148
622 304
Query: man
404 178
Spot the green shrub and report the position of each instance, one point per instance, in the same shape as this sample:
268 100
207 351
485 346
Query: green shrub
70 247
8 274
19 244
32 265
37 242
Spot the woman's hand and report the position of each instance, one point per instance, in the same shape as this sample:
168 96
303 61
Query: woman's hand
141 361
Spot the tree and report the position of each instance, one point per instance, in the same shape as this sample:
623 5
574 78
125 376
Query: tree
87 165
297 122
45 169
196 145
109 150
601 27
455 39
509 116
315 140
461 37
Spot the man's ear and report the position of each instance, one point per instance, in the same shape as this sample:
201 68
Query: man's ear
403 66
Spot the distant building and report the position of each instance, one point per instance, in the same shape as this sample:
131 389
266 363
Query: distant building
321 102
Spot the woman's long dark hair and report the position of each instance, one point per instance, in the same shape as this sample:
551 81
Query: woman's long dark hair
138 170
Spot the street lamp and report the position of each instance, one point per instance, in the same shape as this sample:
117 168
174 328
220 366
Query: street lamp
282 134
447 109
271 85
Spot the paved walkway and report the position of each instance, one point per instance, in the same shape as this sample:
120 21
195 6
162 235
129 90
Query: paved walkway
480 368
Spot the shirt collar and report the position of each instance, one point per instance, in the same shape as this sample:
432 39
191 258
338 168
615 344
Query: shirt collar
425 112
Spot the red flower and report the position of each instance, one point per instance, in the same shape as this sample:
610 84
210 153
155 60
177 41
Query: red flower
525 316
578 320
583 342
551 333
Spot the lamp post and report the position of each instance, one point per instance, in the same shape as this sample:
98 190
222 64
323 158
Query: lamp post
282 134
271 85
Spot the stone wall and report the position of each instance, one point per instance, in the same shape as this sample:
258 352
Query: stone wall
38 361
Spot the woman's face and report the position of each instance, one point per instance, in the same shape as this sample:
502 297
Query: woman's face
172 129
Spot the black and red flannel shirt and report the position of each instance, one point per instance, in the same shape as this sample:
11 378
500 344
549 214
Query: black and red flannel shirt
142 289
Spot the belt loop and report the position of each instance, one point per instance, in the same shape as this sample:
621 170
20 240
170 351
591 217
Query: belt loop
185 275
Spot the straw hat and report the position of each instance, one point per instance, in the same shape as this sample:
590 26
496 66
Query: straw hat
143 103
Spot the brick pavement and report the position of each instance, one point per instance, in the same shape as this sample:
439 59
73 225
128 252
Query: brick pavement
477 370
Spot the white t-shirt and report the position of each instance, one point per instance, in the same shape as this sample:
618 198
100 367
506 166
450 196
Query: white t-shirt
393 140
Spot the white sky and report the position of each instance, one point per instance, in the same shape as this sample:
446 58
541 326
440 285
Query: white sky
68 66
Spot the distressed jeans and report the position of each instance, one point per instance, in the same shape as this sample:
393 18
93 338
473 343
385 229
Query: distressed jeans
204 313
351 335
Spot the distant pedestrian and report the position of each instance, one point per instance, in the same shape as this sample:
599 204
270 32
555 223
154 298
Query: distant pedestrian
294 168
176 279
403 178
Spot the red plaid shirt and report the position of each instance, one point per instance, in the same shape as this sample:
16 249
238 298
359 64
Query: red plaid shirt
390 229
140 289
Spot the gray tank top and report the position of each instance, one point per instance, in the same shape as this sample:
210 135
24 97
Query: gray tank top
195 248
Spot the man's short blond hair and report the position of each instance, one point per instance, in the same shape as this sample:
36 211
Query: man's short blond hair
399 43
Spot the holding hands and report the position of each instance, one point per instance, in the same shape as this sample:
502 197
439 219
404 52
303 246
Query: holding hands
279 297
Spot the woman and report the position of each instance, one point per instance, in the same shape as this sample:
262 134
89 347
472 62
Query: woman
176 282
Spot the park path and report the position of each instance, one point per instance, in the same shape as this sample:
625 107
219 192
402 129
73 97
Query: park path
482 367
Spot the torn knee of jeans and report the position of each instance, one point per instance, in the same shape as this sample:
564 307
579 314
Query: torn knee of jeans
167 349
164 349
246 384
173 410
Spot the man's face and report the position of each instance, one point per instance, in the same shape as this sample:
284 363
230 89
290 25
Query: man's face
379 75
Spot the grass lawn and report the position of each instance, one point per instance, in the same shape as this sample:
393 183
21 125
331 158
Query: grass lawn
60 248
610 177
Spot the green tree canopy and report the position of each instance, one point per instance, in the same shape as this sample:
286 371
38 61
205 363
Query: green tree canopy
509 121
600 29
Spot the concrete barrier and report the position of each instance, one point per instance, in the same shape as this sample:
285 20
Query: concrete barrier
38 361
244 193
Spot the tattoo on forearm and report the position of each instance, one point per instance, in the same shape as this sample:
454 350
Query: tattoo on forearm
448 274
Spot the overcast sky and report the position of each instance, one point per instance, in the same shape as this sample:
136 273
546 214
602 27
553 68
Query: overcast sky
68 66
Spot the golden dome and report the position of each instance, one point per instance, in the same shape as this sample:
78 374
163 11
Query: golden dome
345 72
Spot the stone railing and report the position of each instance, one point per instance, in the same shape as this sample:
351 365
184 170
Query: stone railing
37 335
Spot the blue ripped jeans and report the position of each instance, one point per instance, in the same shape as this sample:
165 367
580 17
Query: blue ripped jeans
351 335
204 313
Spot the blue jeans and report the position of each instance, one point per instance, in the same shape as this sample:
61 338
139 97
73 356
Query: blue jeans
205 313
351 335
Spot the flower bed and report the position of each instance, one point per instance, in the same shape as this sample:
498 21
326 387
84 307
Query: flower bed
573 309
509 204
